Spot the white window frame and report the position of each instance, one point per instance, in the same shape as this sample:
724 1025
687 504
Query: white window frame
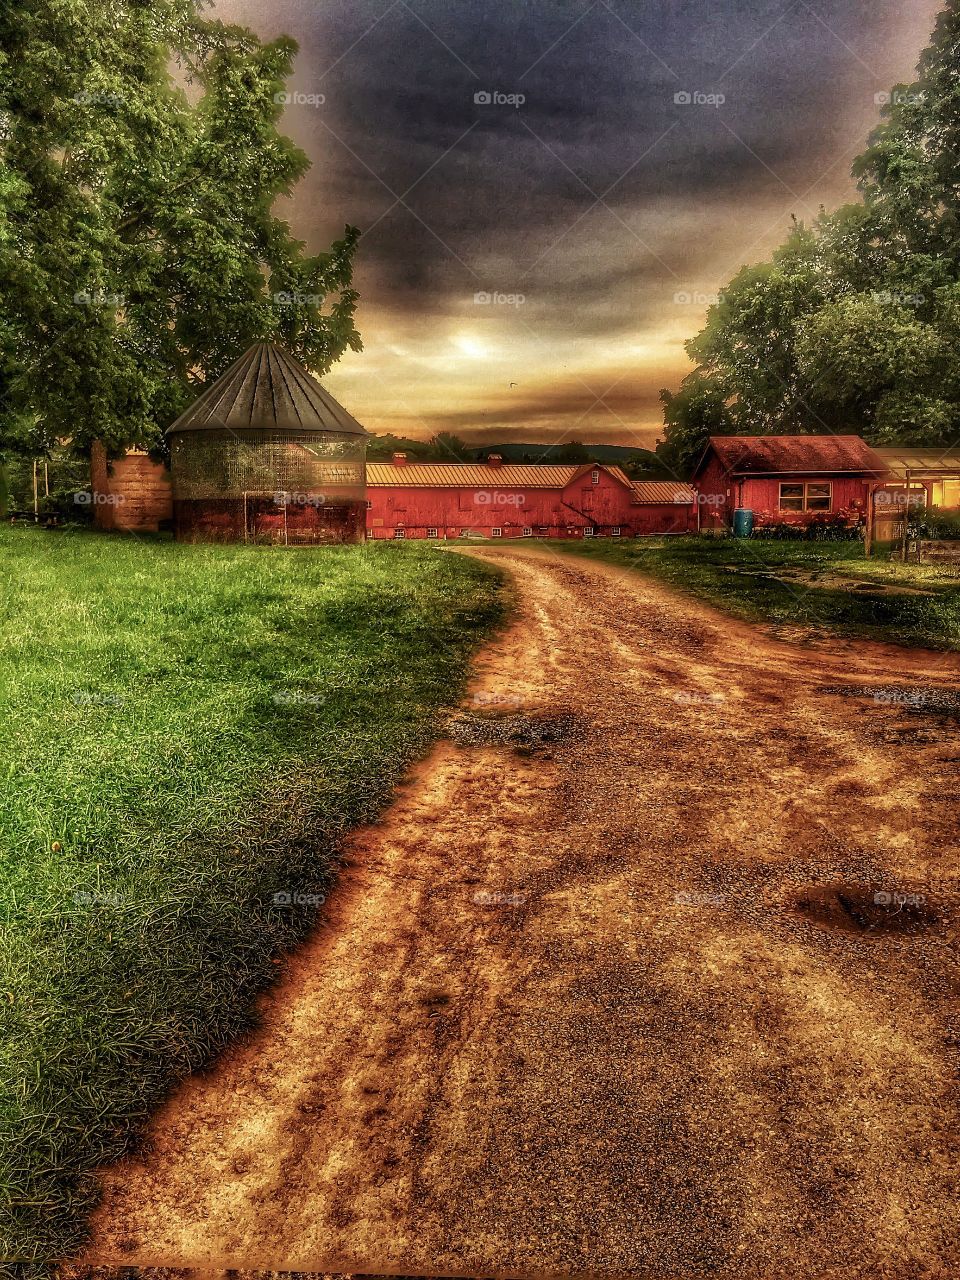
615 531
496 533
433 533
543 530
399 532
595 476
588 531
528 531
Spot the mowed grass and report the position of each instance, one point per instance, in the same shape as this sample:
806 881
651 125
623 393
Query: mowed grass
829 585
187 732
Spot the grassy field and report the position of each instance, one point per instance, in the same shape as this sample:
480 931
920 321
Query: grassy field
187 732
800 584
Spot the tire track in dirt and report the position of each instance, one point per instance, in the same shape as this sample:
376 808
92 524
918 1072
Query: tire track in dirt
564 1015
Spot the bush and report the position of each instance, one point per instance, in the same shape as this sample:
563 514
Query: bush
936 523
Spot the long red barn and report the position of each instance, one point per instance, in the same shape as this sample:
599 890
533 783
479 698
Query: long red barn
496 500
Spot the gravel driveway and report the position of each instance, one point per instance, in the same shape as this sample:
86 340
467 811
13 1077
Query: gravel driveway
650 970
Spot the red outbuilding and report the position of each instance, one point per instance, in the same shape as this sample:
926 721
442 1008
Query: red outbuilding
785 479
494 499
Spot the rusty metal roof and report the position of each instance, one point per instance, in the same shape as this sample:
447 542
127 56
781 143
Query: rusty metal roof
480 475
267 389
794 455
662 493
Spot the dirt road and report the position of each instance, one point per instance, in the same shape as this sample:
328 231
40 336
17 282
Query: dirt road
609 990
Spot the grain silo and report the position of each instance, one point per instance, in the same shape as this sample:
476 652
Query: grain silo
266 454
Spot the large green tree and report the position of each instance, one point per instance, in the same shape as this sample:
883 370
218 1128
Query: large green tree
854 324
140 160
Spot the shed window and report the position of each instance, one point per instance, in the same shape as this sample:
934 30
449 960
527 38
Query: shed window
588 531
431 533
369 505
528 533
615 531
496 533
399 533
594 477
813 495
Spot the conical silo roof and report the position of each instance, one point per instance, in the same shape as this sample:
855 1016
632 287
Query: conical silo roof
267 389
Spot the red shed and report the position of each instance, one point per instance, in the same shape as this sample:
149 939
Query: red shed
789 479
496 500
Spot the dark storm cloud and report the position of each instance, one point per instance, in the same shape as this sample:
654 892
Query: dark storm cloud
496 196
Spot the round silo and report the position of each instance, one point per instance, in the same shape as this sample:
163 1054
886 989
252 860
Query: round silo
267 455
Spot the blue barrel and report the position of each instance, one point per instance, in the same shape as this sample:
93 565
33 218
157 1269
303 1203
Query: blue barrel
742 523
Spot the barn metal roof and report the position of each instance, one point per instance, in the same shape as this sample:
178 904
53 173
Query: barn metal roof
944 462
662 493
267 389
794 455
480 475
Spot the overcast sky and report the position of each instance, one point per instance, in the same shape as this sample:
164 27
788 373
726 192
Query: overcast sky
597 216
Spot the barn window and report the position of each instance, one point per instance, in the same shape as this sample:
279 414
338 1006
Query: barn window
814 495
431 533
400 533
594 477
543 530
528 533
588 531
496 533
615 531
369 505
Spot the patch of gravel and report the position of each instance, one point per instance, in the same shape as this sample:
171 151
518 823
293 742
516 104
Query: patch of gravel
519 731
923 698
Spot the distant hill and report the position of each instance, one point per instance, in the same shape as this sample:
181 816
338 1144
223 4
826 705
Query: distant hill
637 460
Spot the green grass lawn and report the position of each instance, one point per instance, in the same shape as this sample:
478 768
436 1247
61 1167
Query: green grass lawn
187 731
800 584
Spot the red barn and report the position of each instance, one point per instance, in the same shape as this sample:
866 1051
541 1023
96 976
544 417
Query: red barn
496 500
788 479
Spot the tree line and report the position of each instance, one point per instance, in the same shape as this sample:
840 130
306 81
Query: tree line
854 323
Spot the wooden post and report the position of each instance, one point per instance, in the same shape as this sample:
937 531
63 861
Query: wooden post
36 494
868 539
906 517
